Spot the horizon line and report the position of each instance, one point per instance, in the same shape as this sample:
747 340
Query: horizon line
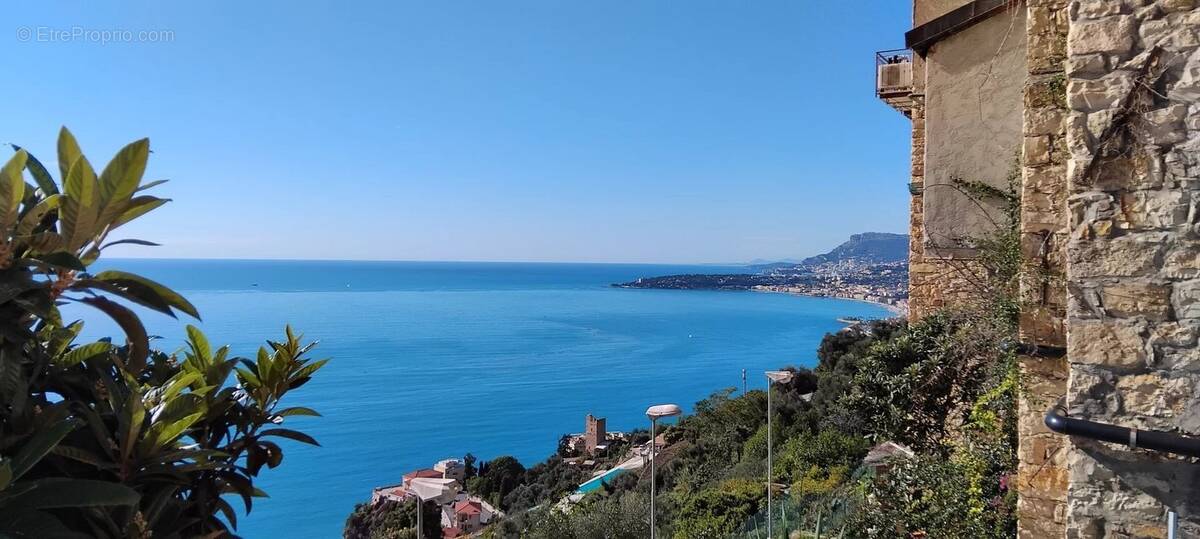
429 261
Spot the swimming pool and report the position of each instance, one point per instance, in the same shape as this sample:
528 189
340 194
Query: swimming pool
595 482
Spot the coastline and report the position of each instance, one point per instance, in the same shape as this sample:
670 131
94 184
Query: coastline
896 310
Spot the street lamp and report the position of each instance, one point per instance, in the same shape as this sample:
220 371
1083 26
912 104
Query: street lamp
654 413
429 489
778 377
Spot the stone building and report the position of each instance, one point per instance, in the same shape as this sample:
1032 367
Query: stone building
594 434
1094 107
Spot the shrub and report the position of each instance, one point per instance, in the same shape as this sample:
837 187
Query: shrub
110 440
719 511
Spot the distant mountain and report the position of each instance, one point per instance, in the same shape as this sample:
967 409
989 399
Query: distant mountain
868 248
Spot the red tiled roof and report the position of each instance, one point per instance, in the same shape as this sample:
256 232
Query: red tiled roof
469 507
451 533
425 473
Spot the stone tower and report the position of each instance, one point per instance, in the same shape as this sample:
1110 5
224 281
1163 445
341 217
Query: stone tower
594 433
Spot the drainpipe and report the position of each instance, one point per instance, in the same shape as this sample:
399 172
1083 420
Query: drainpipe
1166 442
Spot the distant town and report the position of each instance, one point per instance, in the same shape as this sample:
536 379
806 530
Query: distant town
869 267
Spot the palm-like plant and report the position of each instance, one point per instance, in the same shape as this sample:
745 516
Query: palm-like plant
118 440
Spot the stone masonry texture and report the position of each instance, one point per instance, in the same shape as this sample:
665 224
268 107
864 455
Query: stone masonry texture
1131 151
1041 454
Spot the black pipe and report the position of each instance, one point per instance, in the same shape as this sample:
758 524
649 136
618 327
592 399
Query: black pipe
1057 421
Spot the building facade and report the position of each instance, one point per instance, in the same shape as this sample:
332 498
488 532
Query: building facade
594 433
1089 108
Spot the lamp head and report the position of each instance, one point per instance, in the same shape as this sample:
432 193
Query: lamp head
780 377
663 410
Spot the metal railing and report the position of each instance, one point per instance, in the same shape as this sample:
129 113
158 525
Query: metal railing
893 73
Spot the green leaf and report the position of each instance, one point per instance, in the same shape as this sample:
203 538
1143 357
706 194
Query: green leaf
68 151
249 379
120 179
58 492
164 434
79 207
131 242
150 185
139 285
80 353
137 207
81 455
297 410
291 434
61 259
199 343
135 332
133 292
39 173
35 215
39 445
12 189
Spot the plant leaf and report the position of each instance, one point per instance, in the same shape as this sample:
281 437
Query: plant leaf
291 434
80 353
56 492
68 151
136 283
39 445
135 332
79 207
12 189
61 259
120 179
35 215
297 410
40 175
137 207
131 242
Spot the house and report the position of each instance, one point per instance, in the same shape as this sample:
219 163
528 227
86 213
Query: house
424 473
879 457
451 469
467 514
1088 109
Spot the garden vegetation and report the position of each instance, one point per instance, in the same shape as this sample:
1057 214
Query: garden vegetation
113 438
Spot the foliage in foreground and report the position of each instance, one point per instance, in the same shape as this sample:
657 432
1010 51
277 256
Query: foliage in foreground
118 440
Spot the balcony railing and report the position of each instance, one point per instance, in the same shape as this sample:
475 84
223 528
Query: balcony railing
894 78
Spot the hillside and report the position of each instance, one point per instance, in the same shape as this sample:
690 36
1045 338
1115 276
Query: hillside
868 248
871 266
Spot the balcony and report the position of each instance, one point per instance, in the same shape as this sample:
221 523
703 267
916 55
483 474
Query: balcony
894 79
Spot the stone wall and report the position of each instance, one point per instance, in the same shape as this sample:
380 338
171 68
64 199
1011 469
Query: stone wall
1133 258
941 276
1041 469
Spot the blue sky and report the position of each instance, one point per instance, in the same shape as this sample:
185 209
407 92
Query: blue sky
648 131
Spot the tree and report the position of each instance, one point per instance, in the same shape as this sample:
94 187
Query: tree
106 440
497 479
388 519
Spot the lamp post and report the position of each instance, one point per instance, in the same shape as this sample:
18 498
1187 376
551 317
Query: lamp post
778 377
654 413
420 509
429 489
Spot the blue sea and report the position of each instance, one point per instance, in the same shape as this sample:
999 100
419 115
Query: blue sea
436 359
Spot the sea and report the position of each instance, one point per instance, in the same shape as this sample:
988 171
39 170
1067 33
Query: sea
432 360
